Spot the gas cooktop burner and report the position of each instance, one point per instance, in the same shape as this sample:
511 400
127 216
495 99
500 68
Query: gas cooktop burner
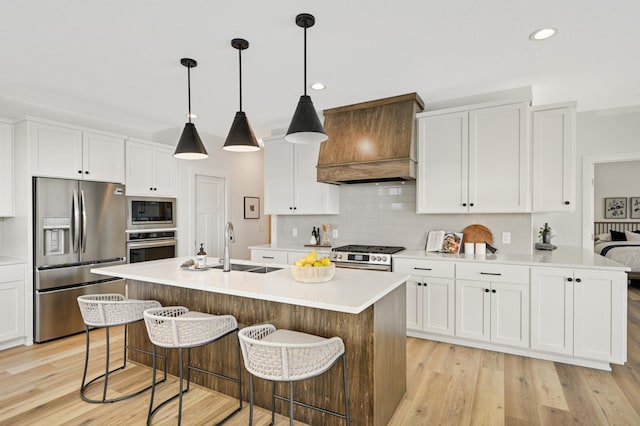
354 248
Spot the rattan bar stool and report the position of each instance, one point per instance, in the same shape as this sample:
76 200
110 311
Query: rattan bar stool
177 327
290 356
106 311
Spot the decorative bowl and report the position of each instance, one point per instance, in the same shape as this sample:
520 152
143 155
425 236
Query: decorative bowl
313 274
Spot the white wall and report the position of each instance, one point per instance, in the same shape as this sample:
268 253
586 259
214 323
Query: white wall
598 133
615 180
243 172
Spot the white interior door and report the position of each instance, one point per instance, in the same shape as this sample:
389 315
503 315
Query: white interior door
210 211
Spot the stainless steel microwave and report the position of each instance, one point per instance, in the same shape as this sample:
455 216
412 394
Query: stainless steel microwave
151 213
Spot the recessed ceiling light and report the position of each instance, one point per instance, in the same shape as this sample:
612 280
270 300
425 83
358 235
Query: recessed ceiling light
318 86
543 34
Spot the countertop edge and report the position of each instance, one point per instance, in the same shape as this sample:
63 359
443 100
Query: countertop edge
565 257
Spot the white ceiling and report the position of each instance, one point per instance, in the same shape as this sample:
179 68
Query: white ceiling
119 60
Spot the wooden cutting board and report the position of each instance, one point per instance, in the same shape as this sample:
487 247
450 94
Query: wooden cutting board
477 234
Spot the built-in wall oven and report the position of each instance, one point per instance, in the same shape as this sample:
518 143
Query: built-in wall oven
151 245
376 258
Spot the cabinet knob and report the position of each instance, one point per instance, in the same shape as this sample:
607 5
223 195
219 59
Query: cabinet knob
578 280
464 204
569 279
80 171
470 204
567 202
155 189
150 188
486 290
493 290
419 284
295 208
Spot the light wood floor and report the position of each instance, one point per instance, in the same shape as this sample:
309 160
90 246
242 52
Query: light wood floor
446 385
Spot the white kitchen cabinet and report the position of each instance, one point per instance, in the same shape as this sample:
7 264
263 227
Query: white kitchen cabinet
6 169
430 295
290 180
151 169
492 303
66 152
577 312
12 326
554 158
474 160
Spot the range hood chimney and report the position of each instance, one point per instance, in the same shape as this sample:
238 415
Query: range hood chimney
371 141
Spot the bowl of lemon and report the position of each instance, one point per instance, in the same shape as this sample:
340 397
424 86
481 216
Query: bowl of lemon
311 269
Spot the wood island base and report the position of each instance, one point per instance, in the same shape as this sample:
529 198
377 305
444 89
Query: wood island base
375 342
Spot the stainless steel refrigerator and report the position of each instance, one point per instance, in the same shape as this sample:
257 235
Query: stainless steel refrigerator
77 225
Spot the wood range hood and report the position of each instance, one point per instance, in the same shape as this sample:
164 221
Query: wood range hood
371 141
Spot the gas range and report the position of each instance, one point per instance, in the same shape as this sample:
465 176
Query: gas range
364 256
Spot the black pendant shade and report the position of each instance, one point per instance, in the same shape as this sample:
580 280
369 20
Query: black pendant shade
305 125
190 146
240 137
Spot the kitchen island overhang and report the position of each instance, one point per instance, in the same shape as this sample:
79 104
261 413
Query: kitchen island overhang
367 309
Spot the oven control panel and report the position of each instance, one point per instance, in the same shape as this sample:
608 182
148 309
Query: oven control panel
361 258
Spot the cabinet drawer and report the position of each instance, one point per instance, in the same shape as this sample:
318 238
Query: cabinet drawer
269 256
11 273
492 272
427 268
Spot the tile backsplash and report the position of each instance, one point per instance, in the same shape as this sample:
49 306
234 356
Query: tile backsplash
385 214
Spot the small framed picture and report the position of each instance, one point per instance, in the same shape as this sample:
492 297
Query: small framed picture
252 207
615 208
634 207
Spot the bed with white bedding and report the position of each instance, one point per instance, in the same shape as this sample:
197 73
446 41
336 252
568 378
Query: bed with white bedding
619 241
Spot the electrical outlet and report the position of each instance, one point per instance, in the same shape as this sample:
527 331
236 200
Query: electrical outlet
334 233
294 232
506 238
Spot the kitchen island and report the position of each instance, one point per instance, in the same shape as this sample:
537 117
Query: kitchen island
367 309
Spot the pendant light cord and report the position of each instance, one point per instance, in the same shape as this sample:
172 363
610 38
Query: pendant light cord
305 60
240 73
189 90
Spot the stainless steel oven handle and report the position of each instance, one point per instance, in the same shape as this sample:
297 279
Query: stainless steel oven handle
155 243
361 266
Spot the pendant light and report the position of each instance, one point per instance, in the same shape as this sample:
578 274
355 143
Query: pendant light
190 146
240 137
305 125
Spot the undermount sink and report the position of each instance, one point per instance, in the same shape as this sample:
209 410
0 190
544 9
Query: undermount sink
264 270
249 268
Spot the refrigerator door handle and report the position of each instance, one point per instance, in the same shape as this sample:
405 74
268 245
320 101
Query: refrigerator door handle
84 221
75 228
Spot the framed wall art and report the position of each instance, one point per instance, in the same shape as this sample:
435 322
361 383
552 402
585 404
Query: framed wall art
615 208
634 207
252 207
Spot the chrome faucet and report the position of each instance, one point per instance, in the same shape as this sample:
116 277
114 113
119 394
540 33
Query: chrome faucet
229 237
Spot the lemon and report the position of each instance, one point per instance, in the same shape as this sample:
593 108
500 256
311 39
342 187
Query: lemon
298 263
325 261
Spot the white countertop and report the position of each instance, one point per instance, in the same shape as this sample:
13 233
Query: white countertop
563 256
288 247
11 261
351 291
